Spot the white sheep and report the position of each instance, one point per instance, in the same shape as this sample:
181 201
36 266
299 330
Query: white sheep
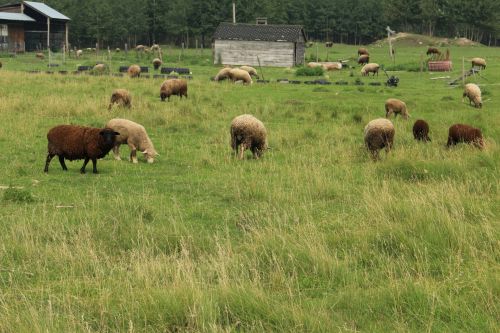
248 132
379 133
370 68
473 92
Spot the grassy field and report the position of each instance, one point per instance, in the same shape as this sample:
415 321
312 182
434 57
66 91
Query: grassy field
313 237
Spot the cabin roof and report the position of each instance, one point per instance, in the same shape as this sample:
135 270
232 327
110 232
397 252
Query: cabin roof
259 32
46 10
15 17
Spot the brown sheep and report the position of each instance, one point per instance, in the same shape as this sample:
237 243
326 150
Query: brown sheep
237 74
134 71
121 97
171 87
473 92
363 59
40 55
396 106
379 133
466 134
478 62
370 68
157 63
433 51
248 132
362 51
421 130
78 142
223 74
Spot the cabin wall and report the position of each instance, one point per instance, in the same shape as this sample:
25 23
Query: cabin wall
232 52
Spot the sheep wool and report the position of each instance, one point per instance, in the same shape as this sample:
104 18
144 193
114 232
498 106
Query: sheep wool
156 63
433 50
237 74
314 64
248 132
421 130
379 133
176 87
473 93
79 53
40 55
120 97
370 68
466 134
363 59
223 74
252 71
332 66
362 51
396 106
78 142
99 68
140 48
478 62
135 136
134 71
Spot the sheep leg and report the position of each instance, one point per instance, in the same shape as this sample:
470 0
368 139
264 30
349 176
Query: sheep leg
47 161
82 170
242 150
63 165
116 152
133 153
94 165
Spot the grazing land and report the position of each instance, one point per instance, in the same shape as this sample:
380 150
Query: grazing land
314 236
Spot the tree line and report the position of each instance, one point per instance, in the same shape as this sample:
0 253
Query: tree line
113 23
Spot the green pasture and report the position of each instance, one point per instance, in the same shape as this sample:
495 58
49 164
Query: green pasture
313 237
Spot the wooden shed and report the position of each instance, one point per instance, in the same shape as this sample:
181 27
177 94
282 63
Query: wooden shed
30 26
274 45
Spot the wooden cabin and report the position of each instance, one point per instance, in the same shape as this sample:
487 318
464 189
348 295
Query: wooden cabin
31 26
246 44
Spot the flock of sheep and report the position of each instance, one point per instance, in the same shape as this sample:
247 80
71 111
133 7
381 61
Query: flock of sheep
73 142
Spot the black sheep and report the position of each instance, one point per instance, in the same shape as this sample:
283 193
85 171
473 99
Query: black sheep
78 142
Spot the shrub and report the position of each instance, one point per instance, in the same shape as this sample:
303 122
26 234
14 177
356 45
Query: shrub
13 194
306 71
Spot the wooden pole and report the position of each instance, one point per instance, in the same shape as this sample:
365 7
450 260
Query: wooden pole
463 71
48 37
66 36
316 52
260 68
234 12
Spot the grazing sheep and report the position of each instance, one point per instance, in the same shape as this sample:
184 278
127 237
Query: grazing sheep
237 74
155 47
370 68
421 130
79 53
121 97
40 55
473 92
432 51
379 133
173 87
314 64
478 62
134 71
363 59
140 48
78 142
252 71
362 51
157 63
396 106
332 66
117 50
466 134
248 132
223 74
135 136
99 68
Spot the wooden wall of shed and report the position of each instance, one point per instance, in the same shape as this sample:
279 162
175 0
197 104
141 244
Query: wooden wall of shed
233 52
16 37
300 52
11 9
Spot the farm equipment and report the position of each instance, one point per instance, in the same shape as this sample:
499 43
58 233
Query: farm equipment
392 81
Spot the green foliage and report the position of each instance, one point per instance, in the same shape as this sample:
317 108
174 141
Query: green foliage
307 71
16 195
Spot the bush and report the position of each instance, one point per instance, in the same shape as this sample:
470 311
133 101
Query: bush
306 71
409 67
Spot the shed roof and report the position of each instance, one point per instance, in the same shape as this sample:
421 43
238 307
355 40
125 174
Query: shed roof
259 32
15 17
46 10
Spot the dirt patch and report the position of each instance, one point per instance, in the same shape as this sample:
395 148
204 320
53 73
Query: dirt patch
408 39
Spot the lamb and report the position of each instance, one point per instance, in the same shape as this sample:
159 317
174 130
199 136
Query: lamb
465 133
157 63
432 51
134 71
237 74
478 62
40 55
247 132
363 59
473 92
79 53
252 71
396 106
370 68
173 87
135 136
120 97
223 74
78 142
379 133
362 51
421 130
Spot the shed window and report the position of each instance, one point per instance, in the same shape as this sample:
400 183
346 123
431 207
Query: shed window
4 31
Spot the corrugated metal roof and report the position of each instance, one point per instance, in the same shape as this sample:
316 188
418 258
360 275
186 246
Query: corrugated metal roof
46 10
15 17
261 32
